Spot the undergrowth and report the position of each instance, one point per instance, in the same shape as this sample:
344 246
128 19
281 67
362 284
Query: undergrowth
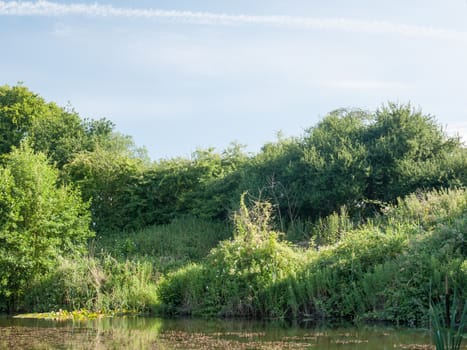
168 247
389 268
234 278
99 284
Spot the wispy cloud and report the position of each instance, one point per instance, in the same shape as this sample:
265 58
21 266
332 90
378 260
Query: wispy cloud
48 8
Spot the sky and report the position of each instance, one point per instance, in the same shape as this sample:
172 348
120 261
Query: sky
179 75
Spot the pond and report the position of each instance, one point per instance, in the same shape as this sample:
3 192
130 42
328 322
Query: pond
156 333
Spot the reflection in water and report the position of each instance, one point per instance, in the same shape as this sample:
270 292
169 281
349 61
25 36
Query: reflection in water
155 333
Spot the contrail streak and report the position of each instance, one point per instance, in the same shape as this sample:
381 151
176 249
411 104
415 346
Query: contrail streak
48 8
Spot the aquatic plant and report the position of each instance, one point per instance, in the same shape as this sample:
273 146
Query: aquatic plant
448 326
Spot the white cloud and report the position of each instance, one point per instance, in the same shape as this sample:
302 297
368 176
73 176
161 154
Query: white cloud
47 8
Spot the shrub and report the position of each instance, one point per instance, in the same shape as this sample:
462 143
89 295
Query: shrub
390 268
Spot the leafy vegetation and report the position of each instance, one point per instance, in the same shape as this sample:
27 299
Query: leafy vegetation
234 277
389 268
169 246
39 221
364 216
99 284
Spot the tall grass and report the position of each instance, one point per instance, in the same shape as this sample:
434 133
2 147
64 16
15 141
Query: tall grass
448 329
122 269
100 284
387 268
186 239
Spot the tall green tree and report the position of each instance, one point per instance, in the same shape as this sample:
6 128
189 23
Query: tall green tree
407 150
335 162
19 108
55 131
39 221
58 132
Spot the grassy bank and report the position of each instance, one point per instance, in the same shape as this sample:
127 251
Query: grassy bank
388 268
121 270
167 247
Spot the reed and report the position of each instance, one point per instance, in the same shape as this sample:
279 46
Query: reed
448 325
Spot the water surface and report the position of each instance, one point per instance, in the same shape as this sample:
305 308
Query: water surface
156 333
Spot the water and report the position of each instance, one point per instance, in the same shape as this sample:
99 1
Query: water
156 333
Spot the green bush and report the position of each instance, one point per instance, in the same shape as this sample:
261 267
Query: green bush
39 221
333 279
182 292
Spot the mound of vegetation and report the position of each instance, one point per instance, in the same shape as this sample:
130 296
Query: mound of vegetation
168 246
232 279
388 268
66 179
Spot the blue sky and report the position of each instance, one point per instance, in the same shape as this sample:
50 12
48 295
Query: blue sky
178 75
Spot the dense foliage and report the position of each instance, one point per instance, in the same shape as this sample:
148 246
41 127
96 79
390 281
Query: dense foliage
98 283
39 221
231 281
372 205
356 159
351 157
389 268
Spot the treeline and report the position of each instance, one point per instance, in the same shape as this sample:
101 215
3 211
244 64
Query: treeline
64 178
352 157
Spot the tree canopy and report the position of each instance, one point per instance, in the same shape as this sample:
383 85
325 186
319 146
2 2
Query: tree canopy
351 158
